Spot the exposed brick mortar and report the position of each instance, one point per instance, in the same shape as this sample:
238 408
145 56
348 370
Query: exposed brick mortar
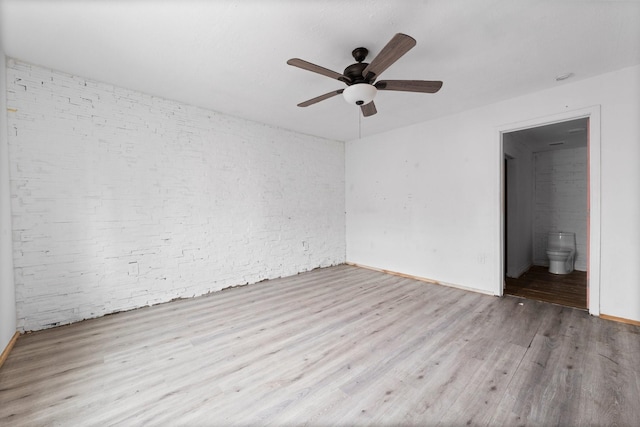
122 200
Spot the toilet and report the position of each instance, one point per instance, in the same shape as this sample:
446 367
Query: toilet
561 250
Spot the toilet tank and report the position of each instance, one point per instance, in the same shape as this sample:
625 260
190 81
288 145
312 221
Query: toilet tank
561 240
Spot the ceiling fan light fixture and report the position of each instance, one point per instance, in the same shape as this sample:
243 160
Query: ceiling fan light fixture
360 93
359 77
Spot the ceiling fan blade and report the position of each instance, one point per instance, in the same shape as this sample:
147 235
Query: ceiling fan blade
301 63
424 86
368 109
320 98
397 46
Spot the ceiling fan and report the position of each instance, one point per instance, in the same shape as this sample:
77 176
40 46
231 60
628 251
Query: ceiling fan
360 77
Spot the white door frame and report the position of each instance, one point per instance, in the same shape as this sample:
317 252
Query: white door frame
593 194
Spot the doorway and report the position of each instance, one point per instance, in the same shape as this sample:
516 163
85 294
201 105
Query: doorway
549 173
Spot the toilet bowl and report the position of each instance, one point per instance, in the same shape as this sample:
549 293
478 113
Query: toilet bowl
561 250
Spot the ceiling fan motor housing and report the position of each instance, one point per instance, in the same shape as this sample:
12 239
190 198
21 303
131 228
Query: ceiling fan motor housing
360 91
354 72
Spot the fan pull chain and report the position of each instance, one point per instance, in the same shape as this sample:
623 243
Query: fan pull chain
359 123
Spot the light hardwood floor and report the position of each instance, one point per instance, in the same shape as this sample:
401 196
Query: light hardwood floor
336 346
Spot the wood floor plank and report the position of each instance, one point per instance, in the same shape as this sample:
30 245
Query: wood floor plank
335 346
538 284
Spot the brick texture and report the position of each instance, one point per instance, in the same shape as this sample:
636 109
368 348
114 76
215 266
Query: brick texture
122 200
561 200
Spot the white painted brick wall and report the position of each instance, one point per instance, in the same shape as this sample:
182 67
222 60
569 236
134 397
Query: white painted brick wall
561 200
122 200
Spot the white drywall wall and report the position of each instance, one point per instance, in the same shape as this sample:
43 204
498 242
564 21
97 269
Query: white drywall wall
7 291
425 199
519 218
123 200
418 201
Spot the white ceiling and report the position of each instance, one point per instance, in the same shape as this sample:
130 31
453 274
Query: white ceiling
230 55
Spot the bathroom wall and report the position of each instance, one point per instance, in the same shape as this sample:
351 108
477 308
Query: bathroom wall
560 201
519 206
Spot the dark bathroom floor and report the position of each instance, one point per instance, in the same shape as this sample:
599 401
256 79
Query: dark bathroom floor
538 284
